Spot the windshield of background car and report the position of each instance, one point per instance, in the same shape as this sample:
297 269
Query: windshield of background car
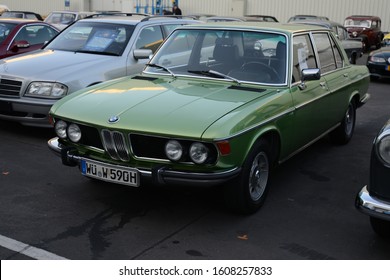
5 30
358 23
245 56
60 18
93 37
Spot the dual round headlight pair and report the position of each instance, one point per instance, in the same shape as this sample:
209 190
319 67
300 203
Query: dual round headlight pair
197 151
72 131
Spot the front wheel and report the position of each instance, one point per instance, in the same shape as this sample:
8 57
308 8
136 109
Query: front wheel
246 193
343 133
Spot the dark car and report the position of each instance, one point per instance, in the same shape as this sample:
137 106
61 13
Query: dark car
368 28
306 17
22 14
19 36
352 46
374 198
378 62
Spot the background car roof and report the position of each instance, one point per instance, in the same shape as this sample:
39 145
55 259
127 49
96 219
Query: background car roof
287 28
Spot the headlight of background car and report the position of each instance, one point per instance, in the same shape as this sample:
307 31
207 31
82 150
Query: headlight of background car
46 90
383 148
377 59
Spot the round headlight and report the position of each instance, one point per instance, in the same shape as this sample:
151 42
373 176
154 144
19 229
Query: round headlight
74 132
198 153
384 149
173 150
60 128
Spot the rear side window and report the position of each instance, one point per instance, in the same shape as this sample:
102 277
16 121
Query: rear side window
328 53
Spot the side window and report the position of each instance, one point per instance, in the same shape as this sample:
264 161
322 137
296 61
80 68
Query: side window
337 55
303 56
23 34
325 52
150 37
168 28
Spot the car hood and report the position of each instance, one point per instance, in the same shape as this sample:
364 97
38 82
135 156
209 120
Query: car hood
164 106
382 52
52 64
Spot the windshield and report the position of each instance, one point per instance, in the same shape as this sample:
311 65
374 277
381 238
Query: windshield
61 18
93 37
5 30
238 56
358 23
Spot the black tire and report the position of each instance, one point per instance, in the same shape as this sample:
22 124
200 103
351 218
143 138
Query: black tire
343 133
247 193
380 227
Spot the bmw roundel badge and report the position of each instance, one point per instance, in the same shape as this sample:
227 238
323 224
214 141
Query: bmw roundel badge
113 119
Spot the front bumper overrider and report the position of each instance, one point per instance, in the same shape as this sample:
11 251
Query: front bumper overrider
372 206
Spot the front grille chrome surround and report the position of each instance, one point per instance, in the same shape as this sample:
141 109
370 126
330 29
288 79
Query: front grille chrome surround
115 145
10 87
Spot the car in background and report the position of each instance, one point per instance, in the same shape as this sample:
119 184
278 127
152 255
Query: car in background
368 28
306 17
3 8
62 19
18 36
22 14
374 198
263 18
386 39
352 46
208 110
227 19
378 63
89 52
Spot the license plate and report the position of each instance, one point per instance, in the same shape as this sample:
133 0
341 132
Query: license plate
110 173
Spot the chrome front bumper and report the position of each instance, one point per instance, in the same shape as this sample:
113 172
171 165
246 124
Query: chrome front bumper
160 174
372 206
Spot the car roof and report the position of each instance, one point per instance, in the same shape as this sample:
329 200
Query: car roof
287 28
135 19
363 17
319 22
19 20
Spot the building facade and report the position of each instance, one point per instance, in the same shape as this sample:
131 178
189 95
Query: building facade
336 10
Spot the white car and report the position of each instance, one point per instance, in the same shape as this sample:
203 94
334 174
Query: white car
88 52
62 19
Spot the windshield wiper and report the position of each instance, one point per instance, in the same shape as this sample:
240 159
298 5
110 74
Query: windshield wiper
96 52
161 67
213 73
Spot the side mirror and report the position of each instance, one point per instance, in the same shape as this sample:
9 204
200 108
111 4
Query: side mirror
142 54
22 44
311 74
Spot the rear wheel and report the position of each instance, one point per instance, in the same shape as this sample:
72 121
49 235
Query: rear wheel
246 193
381 227
343 133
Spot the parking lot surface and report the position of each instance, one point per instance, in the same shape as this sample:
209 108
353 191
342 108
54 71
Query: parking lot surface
309 213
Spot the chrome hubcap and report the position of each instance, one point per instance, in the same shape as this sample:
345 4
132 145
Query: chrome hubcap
258 176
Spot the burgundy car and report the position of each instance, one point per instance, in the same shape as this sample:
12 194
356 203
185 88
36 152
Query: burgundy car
21 35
